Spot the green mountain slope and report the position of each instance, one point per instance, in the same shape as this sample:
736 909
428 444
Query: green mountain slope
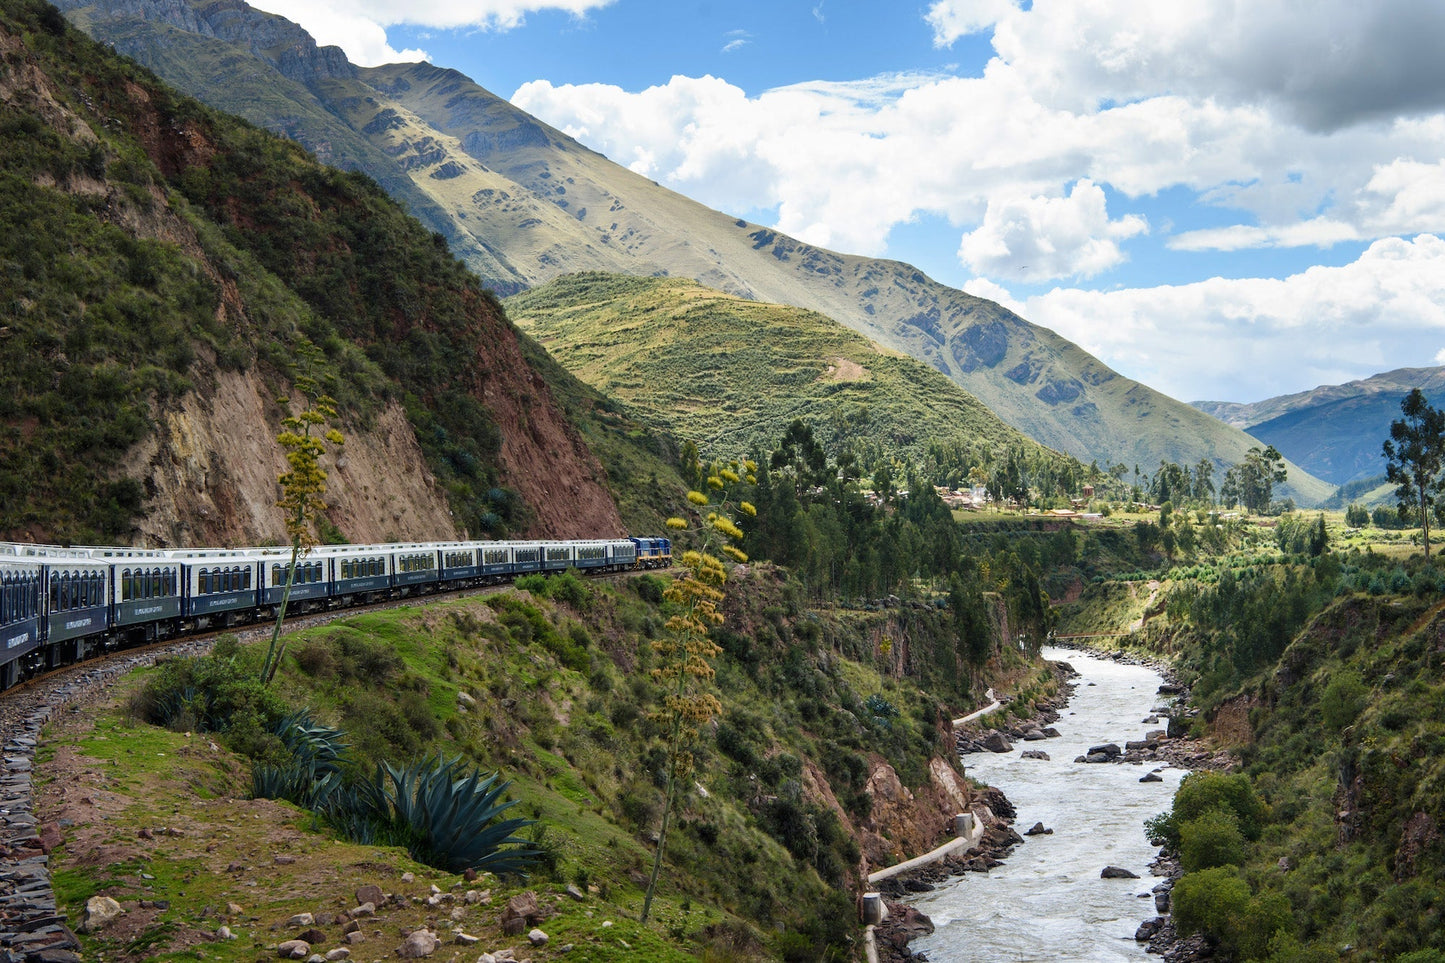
546 206
731 373
166 265
1333 431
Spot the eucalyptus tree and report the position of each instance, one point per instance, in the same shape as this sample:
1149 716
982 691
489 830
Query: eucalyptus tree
1414 457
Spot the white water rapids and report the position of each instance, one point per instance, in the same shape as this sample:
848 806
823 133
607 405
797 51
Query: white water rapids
1047 902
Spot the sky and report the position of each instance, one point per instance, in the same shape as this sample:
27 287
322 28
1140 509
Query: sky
1225 199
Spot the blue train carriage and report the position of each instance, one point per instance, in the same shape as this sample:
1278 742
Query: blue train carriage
417 567
359 571
526 557
76 600
460 561
558 556
621 554
309 589
222 587
20 622
496 560
591 555
148 596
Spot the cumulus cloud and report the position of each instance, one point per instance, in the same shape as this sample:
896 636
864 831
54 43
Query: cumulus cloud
1328 64
951 19
1248 339
1038 238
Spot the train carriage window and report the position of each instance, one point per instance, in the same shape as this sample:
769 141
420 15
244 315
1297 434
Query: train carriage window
127 587
203 582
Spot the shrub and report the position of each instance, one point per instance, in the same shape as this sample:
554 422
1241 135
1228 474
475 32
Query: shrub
1202 792
1211 901
1343 700
1211 840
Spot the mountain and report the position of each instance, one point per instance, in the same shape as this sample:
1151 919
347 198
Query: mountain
734 373
170 271
534 205
1333 431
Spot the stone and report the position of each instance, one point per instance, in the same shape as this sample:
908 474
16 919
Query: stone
312 936
575 891
537 938
1146 930
234 909
340 953
352 926
224 933
1161 902
995 741
1034 735
301 919
1034 754
365 909
464 939
293 950
419 944
1037 829
1109 749
1116 872
99 911
1151 777
408 877
524 907
351 939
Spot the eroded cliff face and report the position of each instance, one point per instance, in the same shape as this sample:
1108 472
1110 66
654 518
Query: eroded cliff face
904 823
211 469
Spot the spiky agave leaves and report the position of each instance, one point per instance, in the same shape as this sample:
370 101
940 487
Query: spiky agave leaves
448 818
313 776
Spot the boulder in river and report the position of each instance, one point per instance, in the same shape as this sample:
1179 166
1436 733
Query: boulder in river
1037 829
995 741
1117 872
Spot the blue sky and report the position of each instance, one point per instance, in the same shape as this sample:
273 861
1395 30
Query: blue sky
1223 199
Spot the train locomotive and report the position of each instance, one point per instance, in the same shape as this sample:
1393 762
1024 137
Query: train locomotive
60 605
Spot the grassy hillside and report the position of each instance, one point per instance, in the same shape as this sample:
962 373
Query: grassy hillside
732 374
541 206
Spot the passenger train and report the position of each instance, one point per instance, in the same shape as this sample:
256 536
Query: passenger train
61 605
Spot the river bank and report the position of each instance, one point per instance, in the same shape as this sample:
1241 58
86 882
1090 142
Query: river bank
1077 788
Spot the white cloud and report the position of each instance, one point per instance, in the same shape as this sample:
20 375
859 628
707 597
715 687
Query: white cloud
1038 238
334 23
1244 340
359 26
952 19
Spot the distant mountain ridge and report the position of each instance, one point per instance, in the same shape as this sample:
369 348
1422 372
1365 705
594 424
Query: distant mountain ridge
522 203
1333 431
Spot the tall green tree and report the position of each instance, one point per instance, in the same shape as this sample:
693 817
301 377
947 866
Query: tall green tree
1251 482
1414 456
304 436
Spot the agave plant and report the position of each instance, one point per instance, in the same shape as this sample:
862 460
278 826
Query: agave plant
313 744
450 819
314 773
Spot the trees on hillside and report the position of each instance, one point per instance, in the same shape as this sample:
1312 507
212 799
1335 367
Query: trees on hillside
1414 457
1251 482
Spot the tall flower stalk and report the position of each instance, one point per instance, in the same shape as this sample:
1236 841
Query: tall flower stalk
304 436
687 650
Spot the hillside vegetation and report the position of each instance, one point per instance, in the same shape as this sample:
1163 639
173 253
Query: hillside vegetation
1316 655
526 204
166 264
732 374
797 787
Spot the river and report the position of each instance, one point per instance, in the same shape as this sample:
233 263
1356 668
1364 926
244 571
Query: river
1047 902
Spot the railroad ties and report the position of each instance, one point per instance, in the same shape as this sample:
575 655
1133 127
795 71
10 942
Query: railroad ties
31 927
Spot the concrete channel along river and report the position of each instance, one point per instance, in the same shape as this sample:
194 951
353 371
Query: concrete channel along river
1047 901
